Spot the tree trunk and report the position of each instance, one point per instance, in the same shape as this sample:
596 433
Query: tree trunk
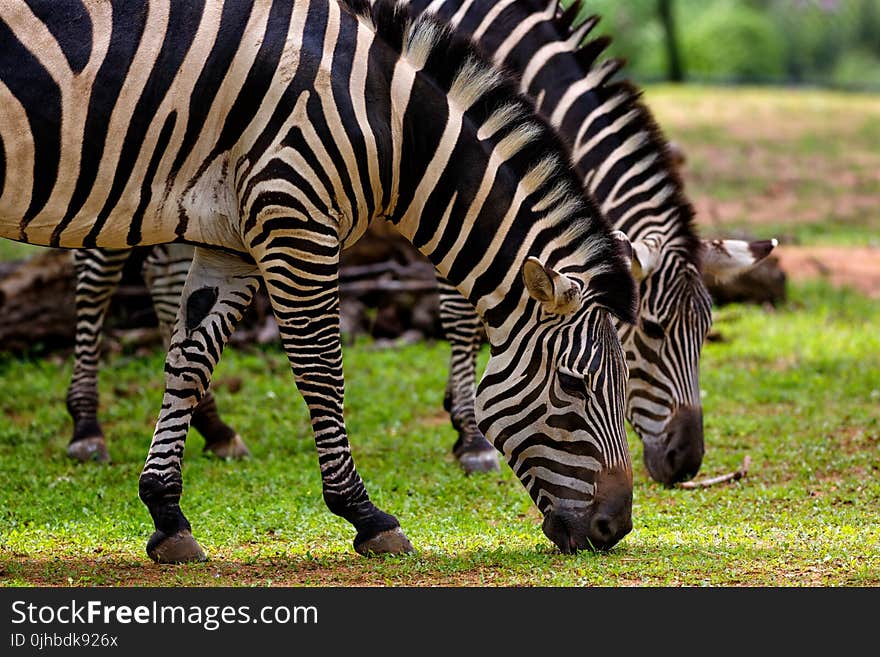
763 284
675 70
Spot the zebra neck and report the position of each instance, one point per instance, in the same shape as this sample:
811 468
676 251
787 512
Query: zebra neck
470 208
470 226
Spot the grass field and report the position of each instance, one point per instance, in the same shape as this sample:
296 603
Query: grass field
797 389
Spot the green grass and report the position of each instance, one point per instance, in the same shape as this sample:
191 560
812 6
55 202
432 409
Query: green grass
10 251
797 389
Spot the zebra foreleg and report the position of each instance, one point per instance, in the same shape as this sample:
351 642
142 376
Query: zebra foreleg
218 290
98 272
461 325
304 292
165 270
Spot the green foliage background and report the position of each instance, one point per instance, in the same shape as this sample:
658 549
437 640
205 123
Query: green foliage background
823 42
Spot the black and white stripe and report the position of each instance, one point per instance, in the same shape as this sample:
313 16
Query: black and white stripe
269 134
606 120
622 158
98 274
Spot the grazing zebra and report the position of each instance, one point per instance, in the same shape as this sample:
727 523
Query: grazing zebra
98 273
622 158
268 134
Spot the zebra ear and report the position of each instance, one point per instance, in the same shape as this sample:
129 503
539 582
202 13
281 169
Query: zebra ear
645 256
725 259
557 293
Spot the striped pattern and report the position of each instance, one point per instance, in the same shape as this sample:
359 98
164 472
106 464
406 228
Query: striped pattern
621 157
98 273
269 134
97 276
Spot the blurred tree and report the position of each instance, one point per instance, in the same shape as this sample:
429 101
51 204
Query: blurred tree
732 42
673 53
869 26
825 42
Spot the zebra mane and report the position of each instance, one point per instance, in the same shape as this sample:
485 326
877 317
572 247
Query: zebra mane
491 98
630 99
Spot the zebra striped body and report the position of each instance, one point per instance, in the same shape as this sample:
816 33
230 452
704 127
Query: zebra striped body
623 161
269 134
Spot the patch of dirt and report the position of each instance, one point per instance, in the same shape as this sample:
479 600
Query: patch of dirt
855 267
800 166
341 571
350 572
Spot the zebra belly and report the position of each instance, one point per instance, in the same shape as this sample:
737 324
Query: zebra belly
204 213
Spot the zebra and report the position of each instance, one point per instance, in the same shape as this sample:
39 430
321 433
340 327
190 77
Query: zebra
268 134
623 159
663 403
98 273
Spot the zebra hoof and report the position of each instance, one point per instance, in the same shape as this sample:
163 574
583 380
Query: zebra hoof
481 461
234 448
179 548
391 541
474 453
89 449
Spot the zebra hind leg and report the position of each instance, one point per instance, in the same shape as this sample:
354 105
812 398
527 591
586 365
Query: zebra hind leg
165 270
461 325
220 439
218 291
305 299
98 273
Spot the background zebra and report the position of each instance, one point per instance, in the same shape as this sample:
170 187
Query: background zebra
622 157
269 134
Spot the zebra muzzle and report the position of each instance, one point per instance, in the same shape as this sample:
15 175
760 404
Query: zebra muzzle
679 454
599 526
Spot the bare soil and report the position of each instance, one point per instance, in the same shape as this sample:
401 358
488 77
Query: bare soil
769 163
842 266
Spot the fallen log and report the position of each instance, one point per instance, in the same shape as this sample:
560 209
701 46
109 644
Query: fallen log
765 283
386 289
413 270
36 303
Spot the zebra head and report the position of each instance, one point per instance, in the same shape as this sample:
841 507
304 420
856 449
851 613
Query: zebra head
551 401
663 348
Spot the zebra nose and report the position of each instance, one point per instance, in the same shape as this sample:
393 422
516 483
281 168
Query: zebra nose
602 525
679 456
606 529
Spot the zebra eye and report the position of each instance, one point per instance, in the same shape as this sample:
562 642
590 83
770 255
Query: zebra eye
571 384
653 329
